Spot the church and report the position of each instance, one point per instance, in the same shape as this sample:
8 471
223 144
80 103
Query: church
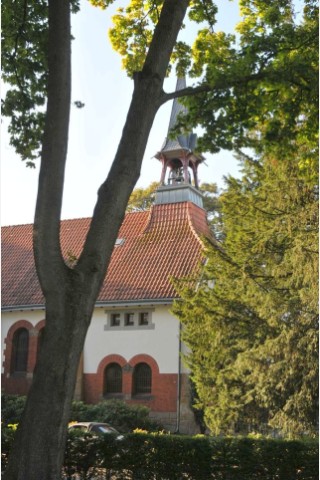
133 346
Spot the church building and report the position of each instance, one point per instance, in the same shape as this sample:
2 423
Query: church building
133 347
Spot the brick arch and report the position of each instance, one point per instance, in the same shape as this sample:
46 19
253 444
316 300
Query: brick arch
8 343
40 325
144 358
93 382
18 385
114 358
19 324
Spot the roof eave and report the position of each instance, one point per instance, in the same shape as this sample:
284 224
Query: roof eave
100 303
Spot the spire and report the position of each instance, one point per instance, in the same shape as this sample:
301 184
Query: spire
186 141
177 154
177 107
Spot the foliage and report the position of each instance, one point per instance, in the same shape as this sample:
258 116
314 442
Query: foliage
24 68
142 199
253 336
82 455
119 414
7 437
173 457
11 408
210 201
266 76
257 360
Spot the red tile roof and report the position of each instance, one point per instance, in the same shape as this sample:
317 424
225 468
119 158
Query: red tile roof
158 244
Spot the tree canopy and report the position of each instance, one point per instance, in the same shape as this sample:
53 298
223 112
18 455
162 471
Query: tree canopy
252 323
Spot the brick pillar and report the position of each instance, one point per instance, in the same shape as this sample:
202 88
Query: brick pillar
127 371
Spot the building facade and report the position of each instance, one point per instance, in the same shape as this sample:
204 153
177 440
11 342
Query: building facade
133 346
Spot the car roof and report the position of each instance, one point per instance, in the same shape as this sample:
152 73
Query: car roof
88 424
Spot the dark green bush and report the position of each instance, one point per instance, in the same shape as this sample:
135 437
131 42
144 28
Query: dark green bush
122 416
170 457
7 437
11 408
240 458
83 454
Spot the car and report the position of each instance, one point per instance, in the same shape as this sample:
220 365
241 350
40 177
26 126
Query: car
94 427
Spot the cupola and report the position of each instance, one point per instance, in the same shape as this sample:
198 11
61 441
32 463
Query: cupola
179 175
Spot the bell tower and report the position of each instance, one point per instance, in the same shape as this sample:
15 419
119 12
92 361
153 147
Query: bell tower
179 174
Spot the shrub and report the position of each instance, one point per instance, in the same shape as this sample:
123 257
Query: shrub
170 457
122 416
11 408
82 454
7 437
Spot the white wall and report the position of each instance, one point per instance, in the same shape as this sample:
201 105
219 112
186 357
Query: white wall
160 342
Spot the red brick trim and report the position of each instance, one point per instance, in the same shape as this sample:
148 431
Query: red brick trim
144 358
20 385
114 358
8 344
40 325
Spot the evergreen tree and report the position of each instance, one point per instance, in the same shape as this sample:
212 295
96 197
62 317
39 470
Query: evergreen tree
251 325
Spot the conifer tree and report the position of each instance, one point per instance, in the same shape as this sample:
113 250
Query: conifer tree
251 325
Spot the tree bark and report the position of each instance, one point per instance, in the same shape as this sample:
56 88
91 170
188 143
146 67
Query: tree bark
70 294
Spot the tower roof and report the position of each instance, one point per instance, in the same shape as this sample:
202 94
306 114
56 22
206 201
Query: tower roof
177 107
179 159
185 141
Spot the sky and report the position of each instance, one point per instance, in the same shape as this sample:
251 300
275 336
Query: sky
99 82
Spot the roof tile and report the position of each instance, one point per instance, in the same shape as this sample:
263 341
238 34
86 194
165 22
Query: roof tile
158 244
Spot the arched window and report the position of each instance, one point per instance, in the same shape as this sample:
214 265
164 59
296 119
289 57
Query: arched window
20 346
142 378
113 378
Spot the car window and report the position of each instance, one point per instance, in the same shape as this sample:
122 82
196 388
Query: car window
103 429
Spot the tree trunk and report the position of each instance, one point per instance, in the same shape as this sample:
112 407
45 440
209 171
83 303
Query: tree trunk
70 294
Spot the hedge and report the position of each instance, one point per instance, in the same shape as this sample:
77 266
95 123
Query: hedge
140 456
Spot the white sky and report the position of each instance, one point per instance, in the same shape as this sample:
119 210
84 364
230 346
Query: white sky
95 130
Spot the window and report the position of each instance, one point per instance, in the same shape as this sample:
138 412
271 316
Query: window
115 319
142 376
20 346
113 379
119 242
129 319
144 318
